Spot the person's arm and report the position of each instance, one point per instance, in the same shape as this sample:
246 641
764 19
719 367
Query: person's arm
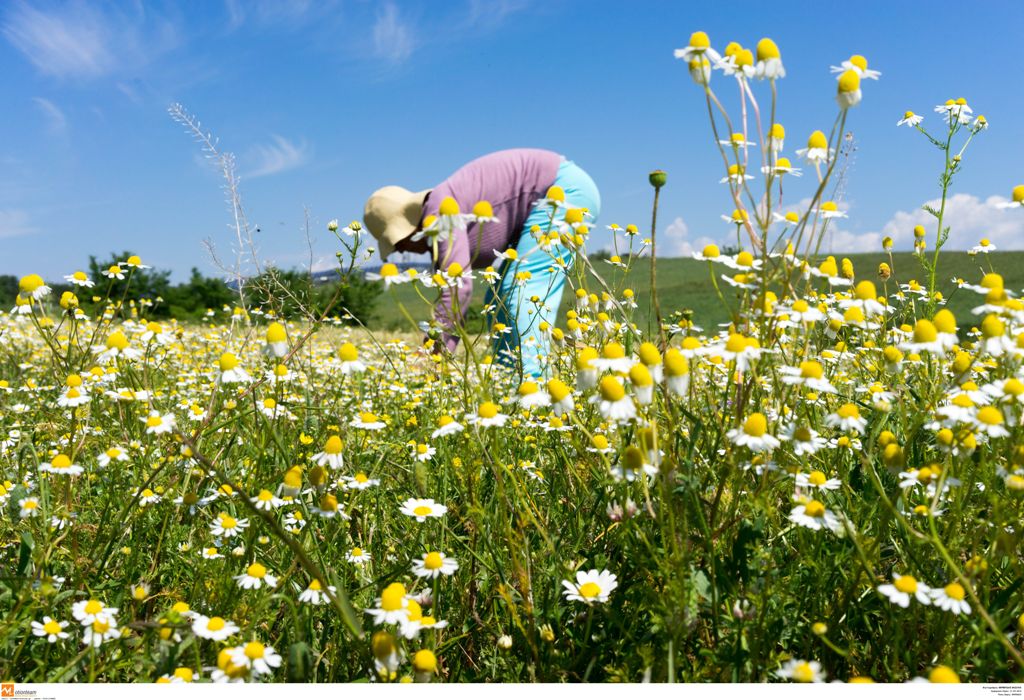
452 307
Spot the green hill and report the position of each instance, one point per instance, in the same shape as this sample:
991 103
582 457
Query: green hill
686 284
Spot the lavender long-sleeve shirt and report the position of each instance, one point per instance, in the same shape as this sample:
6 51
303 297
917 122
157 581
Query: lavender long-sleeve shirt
511 181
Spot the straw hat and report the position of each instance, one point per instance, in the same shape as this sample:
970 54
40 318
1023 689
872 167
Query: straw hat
392 214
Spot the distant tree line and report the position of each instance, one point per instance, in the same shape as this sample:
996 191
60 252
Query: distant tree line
289 293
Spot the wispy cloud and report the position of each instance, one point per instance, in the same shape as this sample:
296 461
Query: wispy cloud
276 157
393 39
488 14
81 40
276 12
15 222
56 121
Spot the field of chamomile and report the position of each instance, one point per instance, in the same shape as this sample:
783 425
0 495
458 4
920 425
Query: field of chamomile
829 487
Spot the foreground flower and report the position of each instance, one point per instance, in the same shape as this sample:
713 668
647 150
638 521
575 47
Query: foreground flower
262 660
50 628
216 628
423 508
951 598
591 586
815 515
392 606
903 587
801 671
315 594
434 564
488 414
753 434
256 577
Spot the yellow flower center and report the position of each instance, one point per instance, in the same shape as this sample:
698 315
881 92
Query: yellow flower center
228 361
422 511
943 674
433 560
52 627
817 478
93 607
333 445
357 551
989 415
906 584
449 207
276 333
612 389
393 597
699 40
803 673
925 331
955 591
848 410
488 410
756 425
215 624
811 370
814 509
254 650
817 140
590 590
61 462
849 81
766 48
256 570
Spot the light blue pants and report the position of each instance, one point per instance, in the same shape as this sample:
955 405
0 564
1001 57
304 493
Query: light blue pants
526 346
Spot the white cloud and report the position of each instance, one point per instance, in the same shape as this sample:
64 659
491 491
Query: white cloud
82 40
58 123
968 216
675 241
270 11
277 157
392 38
14 222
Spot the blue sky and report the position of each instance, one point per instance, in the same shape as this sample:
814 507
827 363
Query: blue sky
322 102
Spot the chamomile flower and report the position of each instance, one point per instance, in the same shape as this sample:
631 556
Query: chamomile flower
754 435
847 418
360 481
52 629
157 424
392 606
699 46
100 630
951 598
903 588
910 119
216 628
266 500
357 555
817 480
61 465
591 586
230 371
225 525
367 421
260 659
613 402
434 564
423 508
815 516
817 150
859 65
487 415
79 279
331 454
801 671
255 577
314 593
88 611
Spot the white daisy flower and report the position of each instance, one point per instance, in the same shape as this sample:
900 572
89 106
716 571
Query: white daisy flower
591 586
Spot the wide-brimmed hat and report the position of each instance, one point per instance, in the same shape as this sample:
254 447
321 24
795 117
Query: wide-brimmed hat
393 214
